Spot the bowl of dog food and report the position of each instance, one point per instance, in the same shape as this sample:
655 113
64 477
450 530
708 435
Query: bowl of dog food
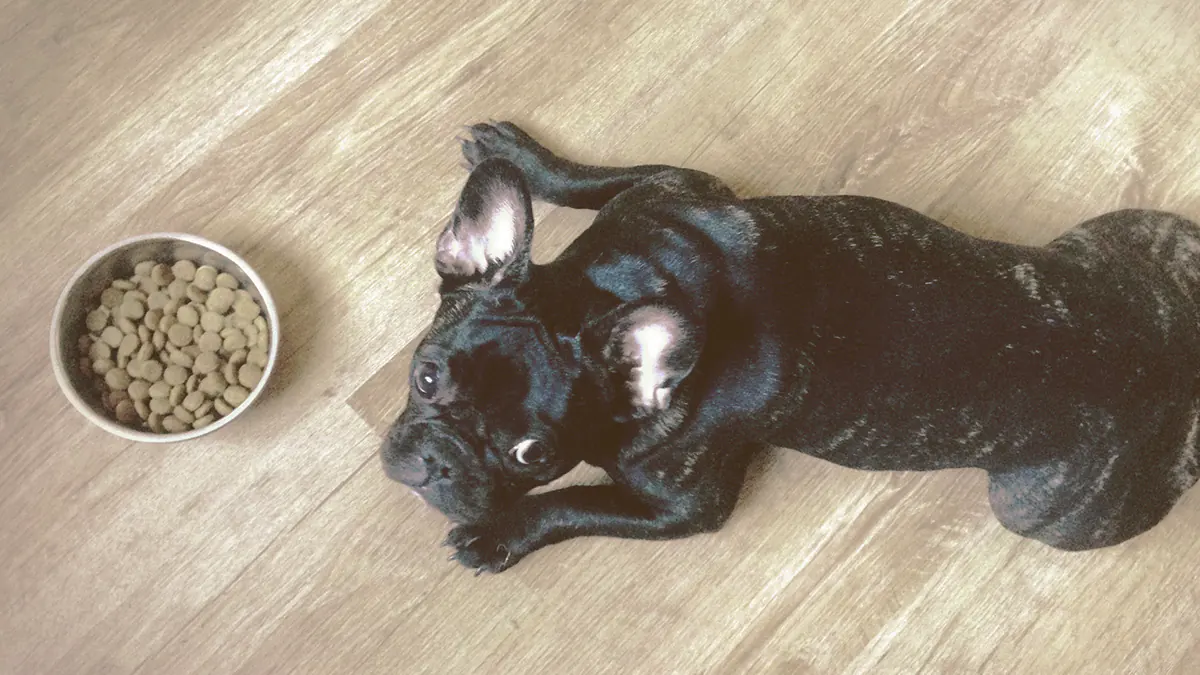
164 337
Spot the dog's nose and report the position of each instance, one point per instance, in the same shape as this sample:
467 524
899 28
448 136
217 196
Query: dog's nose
412 472
415 457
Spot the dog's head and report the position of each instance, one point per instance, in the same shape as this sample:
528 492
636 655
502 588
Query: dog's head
495 402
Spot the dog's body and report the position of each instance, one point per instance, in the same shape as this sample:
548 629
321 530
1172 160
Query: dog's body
686 329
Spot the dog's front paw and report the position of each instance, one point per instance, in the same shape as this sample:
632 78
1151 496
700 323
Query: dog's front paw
483 548
504 140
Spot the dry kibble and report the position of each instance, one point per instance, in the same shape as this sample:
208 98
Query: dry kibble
125 325
112 297
152 371
261 324
84 343
249 375
160 390
129 344
116 396
143 334
195 294
222 407
122 360
174 375
161 406
134 296
213 384
132 309
147 285
193 401
124 284
143 268
220 300
206 278
143 410
139 390
158 300
97 319
193 383
183 414
116 378
179 334
230 372
167 321
99 350
179 358
209 342
202 422
204 408
206 363
235 394
178 393
126 413
154 421
112 336
102 366
187 316
246 308
197 331
258 357
235 341
227 280
159 340
173 424
239 357
161 275
145 352
184 269
191 350
134 367
177 290
211 321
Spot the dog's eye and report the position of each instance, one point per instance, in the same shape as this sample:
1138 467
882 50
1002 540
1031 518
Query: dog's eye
529 451
426 379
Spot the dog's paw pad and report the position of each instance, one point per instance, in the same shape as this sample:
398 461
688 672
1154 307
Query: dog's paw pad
497 139
479 550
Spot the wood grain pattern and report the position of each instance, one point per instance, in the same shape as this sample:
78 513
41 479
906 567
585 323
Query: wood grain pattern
316 138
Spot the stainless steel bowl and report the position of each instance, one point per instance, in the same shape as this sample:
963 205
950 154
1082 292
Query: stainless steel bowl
82 294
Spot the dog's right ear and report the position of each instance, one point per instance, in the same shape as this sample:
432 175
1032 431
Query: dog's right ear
659 347
491 232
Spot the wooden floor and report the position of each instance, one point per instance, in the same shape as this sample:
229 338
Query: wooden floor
316 138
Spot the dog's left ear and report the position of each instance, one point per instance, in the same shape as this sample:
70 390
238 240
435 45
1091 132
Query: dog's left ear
491 231
659 347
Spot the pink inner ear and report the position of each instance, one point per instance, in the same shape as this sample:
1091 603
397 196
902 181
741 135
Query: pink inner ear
469 246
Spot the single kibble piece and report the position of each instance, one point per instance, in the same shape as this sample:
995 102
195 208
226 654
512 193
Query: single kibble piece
132 309
166 322
127 327
187 316
219 300
99 350
116 379
222 407
177 290
206 363
97 319
174 374
194 400
139 390
211 321
180 334
158 300
161 275
202 422
239 357
143 334
178 393
197 331
122 360
147 285
183 414
246 308
145 352
235 395
235 341
249 375
192 384
143 410
184 269
152 371
209 342
154 421
173 424
230 372
129 345
206 278
112 297
112 336
143 268
227 280
124 284
204 408
102 366
116 396
161 406
160 390
196 295
159 340
179 358
213 384
126 413
258 357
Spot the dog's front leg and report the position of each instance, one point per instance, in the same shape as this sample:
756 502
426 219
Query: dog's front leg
579 511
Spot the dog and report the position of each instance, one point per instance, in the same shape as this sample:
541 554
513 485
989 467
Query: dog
687 329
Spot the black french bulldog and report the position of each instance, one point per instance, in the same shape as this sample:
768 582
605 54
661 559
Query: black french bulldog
688 328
